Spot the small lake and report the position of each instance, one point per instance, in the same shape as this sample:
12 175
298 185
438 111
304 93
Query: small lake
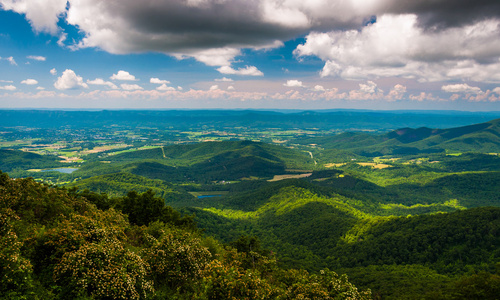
208 196
61 170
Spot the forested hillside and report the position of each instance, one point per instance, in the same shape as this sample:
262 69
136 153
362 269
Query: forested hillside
55 244
315 230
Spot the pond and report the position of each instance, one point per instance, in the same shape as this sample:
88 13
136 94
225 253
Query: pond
208 196
62 170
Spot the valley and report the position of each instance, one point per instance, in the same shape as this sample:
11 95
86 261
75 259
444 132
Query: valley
408 212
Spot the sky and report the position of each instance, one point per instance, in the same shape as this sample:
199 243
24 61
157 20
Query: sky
257 54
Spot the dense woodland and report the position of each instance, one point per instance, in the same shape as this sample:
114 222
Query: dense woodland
56 244
406 214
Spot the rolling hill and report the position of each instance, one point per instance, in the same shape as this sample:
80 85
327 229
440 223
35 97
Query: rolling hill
15 159
211 161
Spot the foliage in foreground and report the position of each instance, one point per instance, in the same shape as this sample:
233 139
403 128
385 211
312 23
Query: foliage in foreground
54 244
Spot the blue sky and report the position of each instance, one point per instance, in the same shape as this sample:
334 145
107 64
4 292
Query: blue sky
309 54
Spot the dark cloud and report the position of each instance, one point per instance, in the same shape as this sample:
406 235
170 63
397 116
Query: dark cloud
191 26
439 14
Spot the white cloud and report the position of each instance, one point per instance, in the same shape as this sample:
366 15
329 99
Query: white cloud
497 90
214 87
367 91
8 87
409 39
69 80
40 88
461 88
396 46
319 88
130 87
423 96
7 81
100 81
123 75
397 92
53 71
370 87
35 57
293 83
230 88
274 45
164 87
213 57
62 39
43 15
224 79
11 60
29 81
248 70
210 24
158 81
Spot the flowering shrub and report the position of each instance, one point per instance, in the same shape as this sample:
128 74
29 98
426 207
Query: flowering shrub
176 256
48 246
15 270
326 285
222 281
104 270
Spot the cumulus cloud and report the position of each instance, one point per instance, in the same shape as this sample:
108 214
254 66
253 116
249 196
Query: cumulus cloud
427 40
170 26
183 26
497 90
370 87
53 71
158 81
367 91
29 81
293 83
396 46
230 88
100 81
40 88
164 87
212 57
461 88
224 79
43 15
123 75
35 57
7 81
423 96
8 87
214 87
397 92
130 87
319 88
248 71
69 80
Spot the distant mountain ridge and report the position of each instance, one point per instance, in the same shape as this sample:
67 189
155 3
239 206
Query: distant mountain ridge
344 120
483 137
